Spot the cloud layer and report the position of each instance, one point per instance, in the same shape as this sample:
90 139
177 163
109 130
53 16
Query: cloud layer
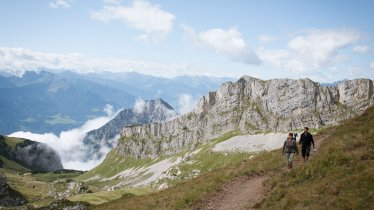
16 61
69 144
141 15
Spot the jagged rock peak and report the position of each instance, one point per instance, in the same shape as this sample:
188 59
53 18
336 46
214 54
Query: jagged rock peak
157 109
247 79
144 111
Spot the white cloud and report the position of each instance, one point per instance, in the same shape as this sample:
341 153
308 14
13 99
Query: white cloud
60 4
266 38
225 42
69 144
141 15
372 65
311 50
186 103
139 105
360 49
16 61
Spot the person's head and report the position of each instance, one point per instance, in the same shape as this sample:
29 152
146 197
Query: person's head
290 135
306 129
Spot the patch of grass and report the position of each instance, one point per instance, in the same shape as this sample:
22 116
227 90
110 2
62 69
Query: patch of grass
39 189
12 141
12 165
205 160
33 190
59 119
50 177
105 196
341 176
115 163
29 120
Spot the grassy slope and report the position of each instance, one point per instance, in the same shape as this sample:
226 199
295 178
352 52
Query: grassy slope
10 164
12 141
189 191
204 161
35 187
341 176
114 163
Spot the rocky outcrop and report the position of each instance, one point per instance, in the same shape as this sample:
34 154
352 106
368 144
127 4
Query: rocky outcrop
250 105
144 112
33 155
9 196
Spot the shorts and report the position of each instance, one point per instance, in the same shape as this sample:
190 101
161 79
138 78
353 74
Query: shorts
305 150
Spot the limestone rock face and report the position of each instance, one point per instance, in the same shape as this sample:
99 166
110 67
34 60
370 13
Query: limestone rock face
250 105
147 111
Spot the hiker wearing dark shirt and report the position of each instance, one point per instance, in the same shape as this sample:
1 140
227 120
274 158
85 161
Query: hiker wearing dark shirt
290 148
306 141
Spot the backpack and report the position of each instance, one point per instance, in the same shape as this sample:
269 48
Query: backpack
290 146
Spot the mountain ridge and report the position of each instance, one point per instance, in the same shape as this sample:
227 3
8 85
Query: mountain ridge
250 105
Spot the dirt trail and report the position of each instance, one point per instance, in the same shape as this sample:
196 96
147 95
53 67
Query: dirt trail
245 192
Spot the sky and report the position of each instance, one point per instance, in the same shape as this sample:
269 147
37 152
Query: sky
324 40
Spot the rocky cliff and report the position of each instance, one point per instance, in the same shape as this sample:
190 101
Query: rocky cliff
144 112
250 105
33 155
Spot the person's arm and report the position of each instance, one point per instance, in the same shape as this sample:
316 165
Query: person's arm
301 139
284 146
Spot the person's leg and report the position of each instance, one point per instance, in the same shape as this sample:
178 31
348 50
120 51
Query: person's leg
290 159
303 152
307 152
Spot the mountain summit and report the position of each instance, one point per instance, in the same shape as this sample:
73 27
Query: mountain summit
144 111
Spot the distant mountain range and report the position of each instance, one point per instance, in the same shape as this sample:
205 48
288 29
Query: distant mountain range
52 102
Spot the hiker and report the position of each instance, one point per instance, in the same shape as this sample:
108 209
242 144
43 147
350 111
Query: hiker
289 148
306 141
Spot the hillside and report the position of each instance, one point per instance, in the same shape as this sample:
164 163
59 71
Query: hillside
25 155
339 176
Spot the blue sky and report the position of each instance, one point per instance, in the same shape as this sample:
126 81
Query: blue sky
323 40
